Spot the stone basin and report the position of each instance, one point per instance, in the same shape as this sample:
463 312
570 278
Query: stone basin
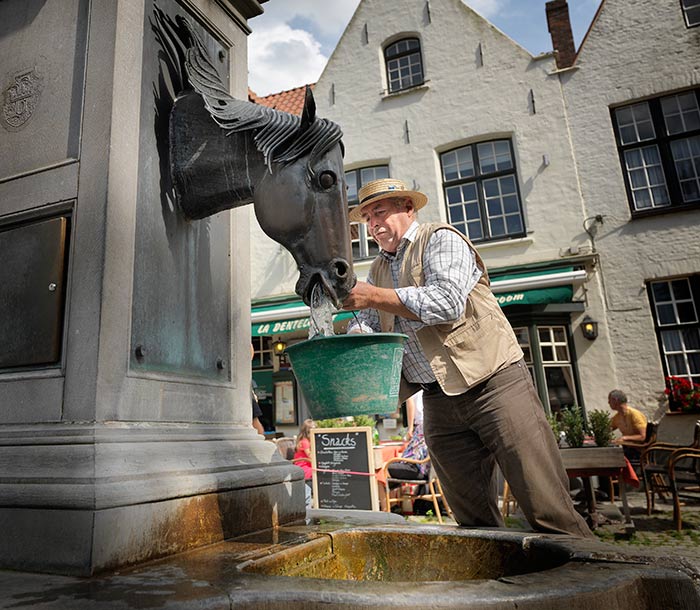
450 567
408 556
337 566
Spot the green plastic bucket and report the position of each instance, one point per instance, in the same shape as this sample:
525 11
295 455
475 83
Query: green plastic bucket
343 375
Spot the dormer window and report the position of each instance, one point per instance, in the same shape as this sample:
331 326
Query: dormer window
404 66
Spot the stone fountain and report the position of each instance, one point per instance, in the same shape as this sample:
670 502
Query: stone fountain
125 433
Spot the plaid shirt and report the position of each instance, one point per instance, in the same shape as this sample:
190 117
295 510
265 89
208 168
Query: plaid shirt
450 272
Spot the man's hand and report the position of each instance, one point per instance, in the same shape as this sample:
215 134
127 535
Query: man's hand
366 296
360 296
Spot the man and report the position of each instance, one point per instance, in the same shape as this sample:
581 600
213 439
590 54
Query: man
480 407
629 421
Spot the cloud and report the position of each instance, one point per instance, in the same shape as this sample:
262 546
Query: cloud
487 8
281 58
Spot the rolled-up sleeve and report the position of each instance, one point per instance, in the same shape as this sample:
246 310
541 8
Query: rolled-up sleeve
451 272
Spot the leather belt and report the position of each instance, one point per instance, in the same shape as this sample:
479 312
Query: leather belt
433 386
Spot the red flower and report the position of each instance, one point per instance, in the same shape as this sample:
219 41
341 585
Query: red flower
683 394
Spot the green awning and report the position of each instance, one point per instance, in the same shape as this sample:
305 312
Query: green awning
554 285
537 296
288 325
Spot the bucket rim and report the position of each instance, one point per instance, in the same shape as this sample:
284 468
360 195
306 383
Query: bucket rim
352 337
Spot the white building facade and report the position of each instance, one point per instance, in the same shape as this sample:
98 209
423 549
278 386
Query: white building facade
633 99
523 155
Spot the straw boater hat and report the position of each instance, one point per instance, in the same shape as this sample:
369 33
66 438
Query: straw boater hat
385 188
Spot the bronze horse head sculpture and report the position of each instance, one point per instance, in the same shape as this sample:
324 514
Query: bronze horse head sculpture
225 153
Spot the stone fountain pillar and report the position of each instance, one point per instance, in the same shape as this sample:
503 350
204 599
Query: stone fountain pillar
125 365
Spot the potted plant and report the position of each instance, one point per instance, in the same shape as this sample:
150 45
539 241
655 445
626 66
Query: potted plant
554 425
683 395
572 425
600 426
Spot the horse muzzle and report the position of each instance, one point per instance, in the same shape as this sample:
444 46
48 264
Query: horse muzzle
336 279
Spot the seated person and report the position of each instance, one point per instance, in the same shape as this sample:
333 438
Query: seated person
416 448
302 456
631 422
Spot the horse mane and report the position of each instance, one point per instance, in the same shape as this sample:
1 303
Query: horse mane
280 137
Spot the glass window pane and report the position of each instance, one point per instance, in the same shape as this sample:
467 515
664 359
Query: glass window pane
676 364
514 224
559 335
547 353
456 213
671 340
351 182
691 338
494 207
510 204
454 194
475 231
694 365
666 314
469 192
686 312
473 211
497 226
661 291
560 387
681 289
491 188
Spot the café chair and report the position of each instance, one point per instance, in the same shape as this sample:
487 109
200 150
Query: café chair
509 504
285 445
672 469
400 490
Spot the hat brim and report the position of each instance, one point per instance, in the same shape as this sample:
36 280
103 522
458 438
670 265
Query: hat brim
419 200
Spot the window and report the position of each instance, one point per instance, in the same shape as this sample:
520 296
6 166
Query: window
481 191
363 246
659 144
548 358
404 66
691 10
676 304
262 348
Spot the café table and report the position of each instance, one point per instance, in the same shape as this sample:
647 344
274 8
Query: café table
585 462
383 453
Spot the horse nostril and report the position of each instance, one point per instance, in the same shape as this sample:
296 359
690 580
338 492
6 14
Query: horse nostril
341 269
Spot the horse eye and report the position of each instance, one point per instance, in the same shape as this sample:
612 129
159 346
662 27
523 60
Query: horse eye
327 179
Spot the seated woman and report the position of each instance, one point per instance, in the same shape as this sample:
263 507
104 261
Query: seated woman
302 456
416 448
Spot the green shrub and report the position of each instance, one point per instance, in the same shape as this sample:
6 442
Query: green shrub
555 426
600 426
346 422
572 425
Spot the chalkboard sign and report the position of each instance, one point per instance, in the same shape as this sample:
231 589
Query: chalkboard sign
343 463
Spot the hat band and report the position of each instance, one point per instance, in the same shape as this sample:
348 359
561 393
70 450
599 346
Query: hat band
390 192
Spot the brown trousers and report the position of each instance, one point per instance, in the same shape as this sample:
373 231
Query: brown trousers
501 420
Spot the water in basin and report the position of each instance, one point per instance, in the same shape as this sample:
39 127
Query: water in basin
390 556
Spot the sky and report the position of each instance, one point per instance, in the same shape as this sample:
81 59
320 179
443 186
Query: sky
292 40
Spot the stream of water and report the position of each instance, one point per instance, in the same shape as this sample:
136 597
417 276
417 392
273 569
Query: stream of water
322 310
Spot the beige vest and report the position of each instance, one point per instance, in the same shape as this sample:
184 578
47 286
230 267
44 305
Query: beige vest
462 353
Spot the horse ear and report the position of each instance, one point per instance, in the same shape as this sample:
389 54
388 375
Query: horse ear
308 115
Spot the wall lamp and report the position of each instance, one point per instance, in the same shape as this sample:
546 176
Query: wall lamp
278 347
589 328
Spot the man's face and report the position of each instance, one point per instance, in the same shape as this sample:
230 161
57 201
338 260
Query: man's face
387 222
614 404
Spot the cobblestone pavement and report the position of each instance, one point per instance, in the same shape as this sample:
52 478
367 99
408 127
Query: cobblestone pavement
656 535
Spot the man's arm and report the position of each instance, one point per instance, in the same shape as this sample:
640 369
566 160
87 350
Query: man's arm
367 296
